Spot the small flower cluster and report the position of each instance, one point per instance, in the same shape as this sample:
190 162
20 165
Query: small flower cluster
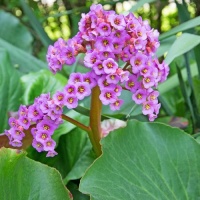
45 114
106 38
42 118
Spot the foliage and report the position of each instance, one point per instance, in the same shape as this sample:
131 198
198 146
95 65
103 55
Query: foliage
142 160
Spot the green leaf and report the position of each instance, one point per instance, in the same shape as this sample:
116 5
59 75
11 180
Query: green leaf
145 161
182 27
10 89
41 82
140 4
23 178
22 60
182 45
14 32
36 24
75 155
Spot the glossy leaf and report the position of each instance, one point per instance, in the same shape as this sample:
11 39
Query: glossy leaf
23 178
182 45
14 32
41 82
145 161
10 89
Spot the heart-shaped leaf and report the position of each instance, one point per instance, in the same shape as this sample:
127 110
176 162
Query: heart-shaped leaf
145 161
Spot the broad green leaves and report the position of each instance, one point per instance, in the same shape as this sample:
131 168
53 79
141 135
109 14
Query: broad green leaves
145 161
10 88
23 178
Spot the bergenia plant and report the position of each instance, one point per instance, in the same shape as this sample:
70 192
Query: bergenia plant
105 38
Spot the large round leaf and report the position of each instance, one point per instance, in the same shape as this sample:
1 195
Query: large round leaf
145 161
23 178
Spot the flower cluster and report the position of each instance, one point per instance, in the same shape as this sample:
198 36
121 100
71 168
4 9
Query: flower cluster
42 118
106 38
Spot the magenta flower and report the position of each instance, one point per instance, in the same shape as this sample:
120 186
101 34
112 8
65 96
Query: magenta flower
49 145
37 145
67 54
153 96
89 78
59 98
104 29
51 153
137 62
42 136
34 113
98 68
70 89
107 96
23 110
116 105
90 58
46 125
117 21
75 77
139 96
148 82
104 44
83 90
110 66
141 33
13 122
15 143
16 134
113 78
147 108
71 101
24 122
132 83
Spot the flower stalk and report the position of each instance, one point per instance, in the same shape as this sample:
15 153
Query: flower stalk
95 120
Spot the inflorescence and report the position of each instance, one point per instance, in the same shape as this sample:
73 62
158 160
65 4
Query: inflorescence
105 38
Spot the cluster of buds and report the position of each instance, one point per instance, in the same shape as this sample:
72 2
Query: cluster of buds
105 38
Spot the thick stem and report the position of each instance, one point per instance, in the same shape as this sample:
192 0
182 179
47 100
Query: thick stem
76 123
95 120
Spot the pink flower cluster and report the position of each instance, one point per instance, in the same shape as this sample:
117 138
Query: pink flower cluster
106 38
42 118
